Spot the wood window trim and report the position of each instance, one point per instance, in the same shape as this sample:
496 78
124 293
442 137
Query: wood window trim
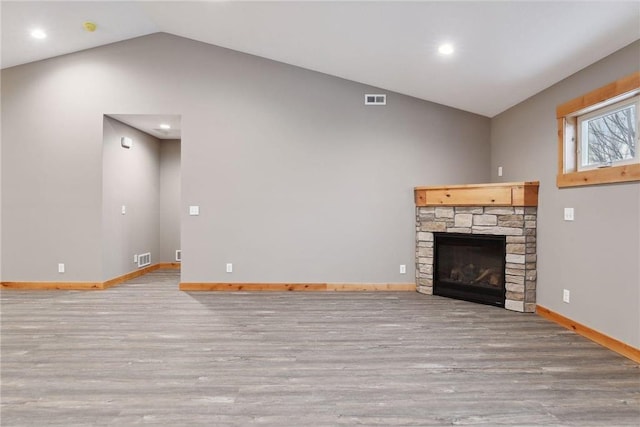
566 113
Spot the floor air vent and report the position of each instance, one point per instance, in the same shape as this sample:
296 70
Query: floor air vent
375 99
144 259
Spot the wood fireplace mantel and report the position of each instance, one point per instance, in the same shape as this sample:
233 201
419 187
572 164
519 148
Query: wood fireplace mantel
498 194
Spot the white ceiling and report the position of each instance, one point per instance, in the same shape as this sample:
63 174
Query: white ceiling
150 123
506 51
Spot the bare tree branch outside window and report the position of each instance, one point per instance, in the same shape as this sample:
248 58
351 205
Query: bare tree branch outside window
612 137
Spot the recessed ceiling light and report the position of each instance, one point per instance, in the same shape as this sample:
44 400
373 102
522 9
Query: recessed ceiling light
38 34
446 49
165 126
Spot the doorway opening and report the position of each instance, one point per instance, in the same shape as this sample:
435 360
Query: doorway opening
141 193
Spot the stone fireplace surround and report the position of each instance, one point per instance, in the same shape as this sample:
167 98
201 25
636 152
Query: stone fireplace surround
508 209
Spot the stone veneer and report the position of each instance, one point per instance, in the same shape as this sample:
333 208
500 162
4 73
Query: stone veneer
518 224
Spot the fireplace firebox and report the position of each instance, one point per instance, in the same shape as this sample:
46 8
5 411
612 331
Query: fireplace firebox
470 267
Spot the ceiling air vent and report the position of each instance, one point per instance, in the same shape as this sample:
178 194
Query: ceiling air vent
375 99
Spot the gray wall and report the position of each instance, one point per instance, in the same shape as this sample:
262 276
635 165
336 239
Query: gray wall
52 171
130 177
296 179
596 257
169 199
0 187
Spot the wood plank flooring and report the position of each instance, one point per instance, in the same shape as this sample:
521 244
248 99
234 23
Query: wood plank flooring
144 353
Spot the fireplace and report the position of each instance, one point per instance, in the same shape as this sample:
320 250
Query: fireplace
490 218
470 267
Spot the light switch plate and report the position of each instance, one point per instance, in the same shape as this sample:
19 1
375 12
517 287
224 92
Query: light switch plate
229 268
194 210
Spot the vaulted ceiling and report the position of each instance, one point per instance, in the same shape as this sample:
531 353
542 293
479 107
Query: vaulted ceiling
505 51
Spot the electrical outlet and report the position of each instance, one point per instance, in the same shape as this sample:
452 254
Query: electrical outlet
568 214
229 267
123 210
566 296
135 258
499 170
403 269
61 268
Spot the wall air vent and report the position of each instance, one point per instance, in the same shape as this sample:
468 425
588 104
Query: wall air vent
375 99
144 259
179 255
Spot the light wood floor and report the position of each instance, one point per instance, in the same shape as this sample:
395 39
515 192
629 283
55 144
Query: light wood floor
144 353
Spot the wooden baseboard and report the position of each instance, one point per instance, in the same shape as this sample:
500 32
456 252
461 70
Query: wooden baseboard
604 340
52 286
368 287
170 266
85 286
129 276
309 287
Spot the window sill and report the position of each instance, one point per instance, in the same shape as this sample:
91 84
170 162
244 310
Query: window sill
609 175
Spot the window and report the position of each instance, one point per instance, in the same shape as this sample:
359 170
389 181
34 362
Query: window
609 136
598 135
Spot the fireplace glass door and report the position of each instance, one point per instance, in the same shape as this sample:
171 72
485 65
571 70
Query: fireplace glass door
470 267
